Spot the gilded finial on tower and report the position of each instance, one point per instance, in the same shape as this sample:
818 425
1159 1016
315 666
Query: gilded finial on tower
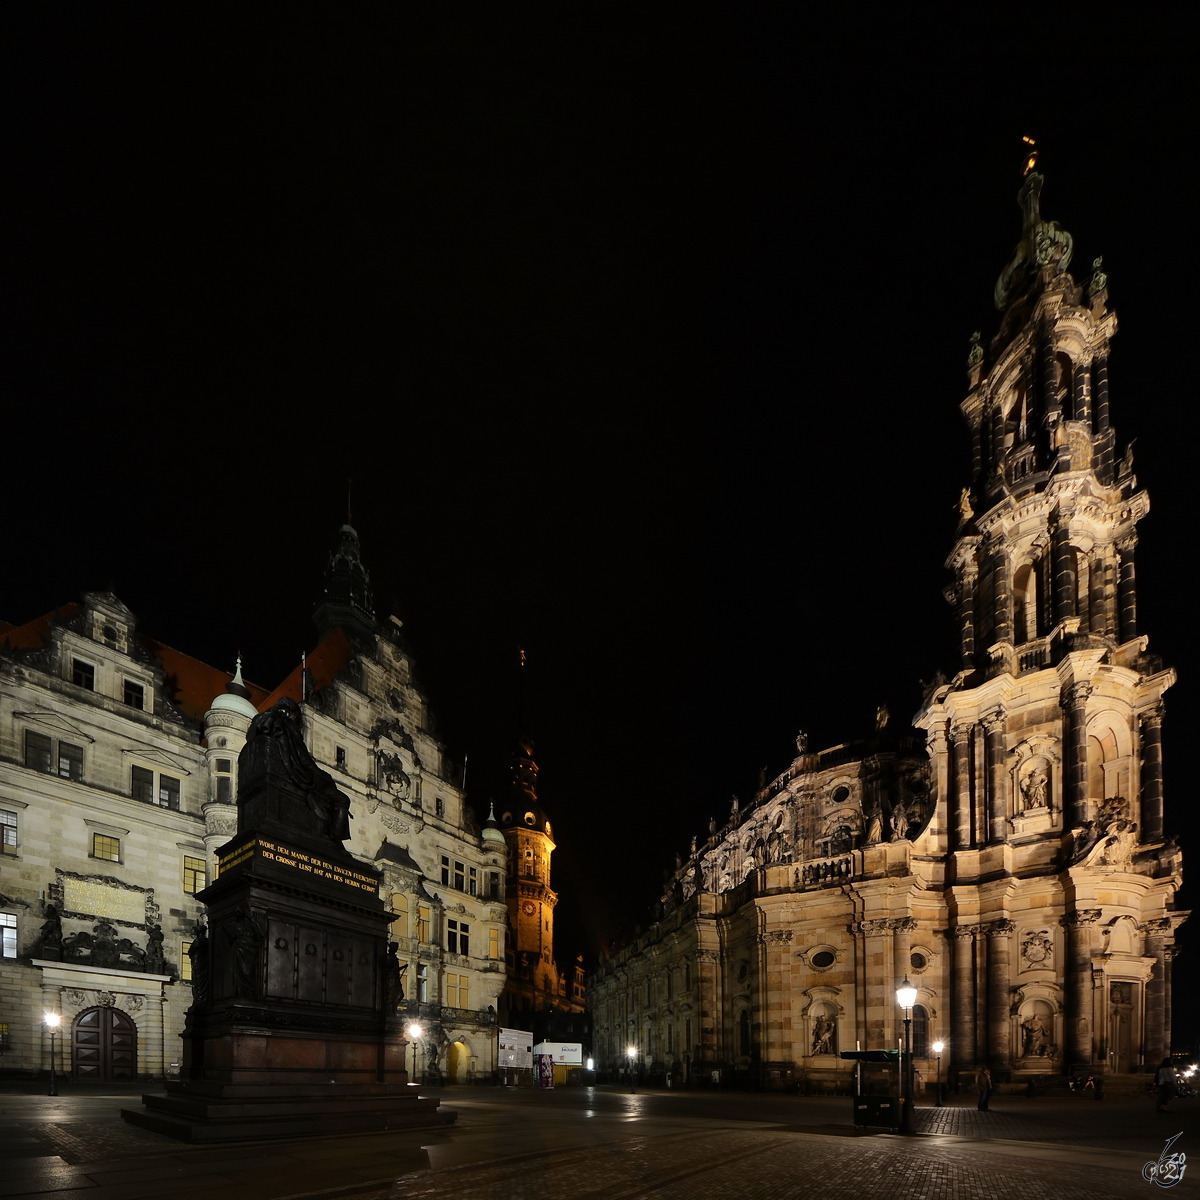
1031 154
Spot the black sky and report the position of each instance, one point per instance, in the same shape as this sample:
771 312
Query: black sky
641 339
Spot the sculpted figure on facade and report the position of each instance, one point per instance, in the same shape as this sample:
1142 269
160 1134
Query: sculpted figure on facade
1034 788
899 821
824 1029
1035 1036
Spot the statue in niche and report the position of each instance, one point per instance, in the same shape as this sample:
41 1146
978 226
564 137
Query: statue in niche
246 941
198 957
52 933
393 979
275 743
1035 1037
874 826
899 821
823 1030
1035 789
155 959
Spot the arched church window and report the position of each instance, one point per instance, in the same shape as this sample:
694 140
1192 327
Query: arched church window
1025 622
920 1032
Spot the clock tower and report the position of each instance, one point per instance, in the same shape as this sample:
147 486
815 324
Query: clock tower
533 978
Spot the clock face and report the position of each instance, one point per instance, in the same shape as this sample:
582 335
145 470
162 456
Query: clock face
528 908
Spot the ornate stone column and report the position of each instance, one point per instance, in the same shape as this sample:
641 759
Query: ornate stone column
1127 588
1079 987
1169 952
776 1000
1002 615
1064 571
960 805
877 967
962 997
994 725
967 579
902 931
1152 774
1074 703
999 993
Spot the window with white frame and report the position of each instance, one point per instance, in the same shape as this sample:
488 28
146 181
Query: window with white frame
8 935
223 775
143 787
8 831
135 694
458 937
83 674
43 753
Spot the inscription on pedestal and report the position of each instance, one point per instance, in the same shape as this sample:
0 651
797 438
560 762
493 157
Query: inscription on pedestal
298 860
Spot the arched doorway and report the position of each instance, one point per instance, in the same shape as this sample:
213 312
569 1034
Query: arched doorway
104 1045
456 1063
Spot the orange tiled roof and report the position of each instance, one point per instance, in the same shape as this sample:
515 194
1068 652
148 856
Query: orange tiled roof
330 656
33 633
194 684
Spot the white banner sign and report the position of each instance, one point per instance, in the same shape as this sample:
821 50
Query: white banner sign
568 1054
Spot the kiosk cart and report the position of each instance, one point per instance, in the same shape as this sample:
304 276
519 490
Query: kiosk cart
877 1089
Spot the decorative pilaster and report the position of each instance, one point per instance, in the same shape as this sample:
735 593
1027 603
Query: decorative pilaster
962 996
999 992
1127 588
1074 703
994 725
1152 774
1063 569
960 801
1156 933
1079 986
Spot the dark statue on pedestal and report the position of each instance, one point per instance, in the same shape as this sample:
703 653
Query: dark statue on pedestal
293 1026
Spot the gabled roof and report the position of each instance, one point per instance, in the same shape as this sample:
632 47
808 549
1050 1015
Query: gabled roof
398 855
196 684
33 633
333 652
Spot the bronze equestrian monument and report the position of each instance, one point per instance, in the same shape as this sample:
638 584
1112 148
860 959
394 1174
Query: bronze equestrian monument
293 1027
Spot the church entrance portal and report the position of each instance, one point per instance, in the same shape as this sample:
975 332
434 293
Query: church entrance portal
104 1045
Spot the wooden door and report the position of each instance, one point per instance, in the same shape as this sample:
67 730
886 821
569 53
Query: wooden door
104 1045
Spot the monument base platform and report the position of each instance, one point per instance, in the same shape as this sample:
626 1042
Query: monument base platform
202 1111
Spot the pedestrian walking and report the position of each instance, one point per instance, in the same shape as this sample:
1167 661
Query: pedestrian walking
1164 1081
983 1081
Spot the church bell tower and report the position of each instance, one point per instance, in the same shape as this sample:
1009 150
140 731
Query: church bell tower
1047 744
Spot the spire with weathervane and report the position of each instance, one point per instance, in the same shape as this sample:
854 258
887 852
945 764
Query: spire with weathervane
346 599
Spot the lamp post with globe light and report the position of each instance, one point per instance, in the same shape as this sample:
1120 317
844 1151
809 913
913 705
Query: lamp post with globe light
52 1020
938 1047
414 1032
906 997
632 1053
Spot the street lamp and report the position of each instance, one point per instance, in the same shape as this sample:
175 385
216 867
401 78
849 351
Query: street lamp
938 1047
414 1032
906 997
52 1020
632 1053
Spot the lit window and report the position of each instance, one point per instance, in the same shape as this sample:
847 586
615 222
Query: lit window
445 871
493 943
70 761
456 991
37 751
8 831
83 675
107 848
142 786
400 917
185 963
195 875
135 694
423 922
8 935
168 792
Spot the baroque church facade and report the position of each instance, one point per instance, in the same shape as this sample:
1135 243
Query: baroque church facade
118 785
1010 860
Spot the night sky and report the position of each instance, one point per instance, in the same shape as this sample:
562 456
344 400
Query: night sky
643 345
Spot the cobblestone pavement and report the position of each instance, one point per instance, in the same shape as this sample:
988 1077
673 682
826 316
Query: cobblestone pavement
606 1144
728 1165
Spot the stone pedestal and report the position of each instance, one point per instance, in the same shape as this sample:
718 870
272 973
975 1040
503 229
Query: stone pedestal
293 1028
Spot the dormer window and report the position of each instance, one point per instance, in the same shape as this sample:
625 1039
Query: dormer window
83 674
135 694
